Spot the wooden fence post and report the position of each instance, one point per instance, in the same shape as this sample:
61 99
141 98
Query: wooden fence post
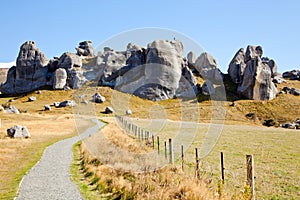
153 141
166 155
222 167
171 151
158 144
182 158
250 174
197 163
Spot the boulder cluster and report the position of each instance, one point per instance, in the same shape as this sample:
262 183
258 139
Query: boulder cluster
253 74
34 70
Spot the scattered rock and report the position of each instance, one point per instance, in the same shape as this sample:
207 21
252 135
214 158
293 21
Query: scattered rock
11 100
18 131
128 112
269 122
98 98
67 103
251 115
278 80
109 110
32 98
39 92
292 91
67 88
85 48
56 104
232 104
47 107
11 109
292 75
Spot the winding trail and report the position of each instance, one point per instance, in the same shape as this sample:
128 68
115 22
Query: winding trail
50 179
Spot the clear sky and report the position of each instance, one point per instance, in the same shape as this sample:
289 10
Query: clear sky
220 27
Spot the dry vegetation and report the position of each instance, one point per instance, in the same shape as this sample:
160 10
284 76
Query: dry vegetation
276 150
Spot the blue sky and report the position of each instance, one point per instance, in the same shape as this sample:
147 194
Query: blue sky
220 27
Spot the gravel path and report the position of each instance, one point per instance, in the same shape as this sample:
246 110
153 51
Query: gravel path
50 177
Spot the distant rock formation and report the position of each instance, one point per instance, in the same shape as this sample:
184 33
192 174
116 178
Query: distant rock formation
292 75
85 48
253 74
30 72
33 70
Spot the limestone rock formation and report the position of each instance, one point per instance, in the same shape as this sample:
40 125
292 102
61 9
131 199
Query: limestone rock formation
30 72
207 66
257 81
253 74
292 75
85 48
191 58
60 79
159 78
18 131
69 60
208 88
237 66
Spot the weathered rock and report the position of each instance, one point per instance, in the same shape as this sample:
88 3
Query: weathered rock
292 91
69 60
252 52
39 92
77 79
30 72
56 104
47 107
98 98
60 79
257 82
109 110
109 62
85 48
32 98
208 88
292 75
11 109
278 80
84 102
159 78
137 55
271 63
207 66
191 58
187 84
237 66
67 103
18 131
128 112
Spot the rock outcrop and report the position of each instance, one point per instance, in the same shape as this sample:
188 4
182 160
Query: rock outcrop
60 79
18 131
292 75
85 48
30 72
207 66
253 74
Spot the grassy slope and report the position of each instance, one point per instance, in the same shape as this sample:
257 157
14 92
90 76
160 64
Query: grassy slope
282 109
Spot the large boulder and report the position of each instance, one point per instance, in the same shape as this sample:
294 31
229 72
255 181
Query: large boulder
159 78
85 48
60 79
69 60
237 66
18 131
257 81
30 72
207 66
77 79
